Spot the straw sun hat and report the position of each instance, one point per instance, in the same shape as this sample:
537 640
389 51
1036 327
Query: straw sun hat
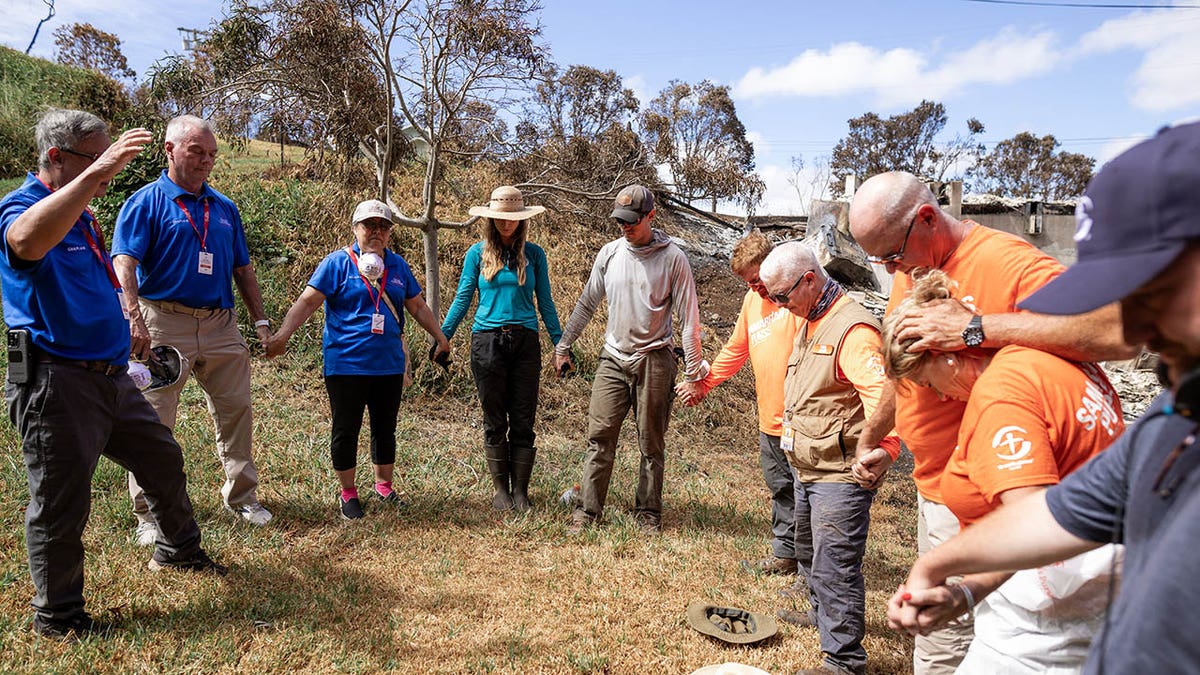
506 203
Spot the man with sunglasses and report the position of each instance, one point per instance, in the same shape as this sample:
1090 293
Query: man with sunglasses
68 390
178 246
647 280
896 219
832 387
1138 238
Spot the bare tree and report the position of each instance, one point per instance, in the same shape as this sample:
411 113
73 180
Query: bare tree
38 29
444 61
812 184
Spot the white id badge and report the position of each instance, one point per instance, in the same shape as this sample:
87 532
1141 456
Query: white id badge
377 324
206 263
121 302
788 440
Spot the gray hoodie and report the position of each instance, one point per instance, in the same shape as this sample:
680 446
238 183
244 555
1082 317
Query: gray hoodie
644 285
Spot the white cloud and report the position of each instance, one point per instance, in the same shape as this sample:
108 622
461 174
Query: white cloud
904 76
641 90
1169 72
762 148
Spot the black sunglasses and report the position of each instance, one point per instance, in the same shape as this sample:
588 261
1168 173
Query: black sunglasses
782 298
85 155
624 223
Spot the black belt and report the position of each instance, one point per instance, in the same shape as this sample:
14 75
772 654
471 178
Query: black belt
104 367
508 328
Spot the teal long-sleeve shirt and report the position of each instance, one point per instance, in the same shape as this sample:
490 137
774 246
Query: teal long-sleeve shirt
502 301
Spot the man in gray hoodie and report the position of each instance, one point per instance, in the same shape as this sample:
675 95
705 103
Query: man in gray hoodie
646 280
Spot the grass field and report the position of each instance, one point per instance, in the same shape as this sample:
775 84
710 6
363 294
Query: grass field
444 584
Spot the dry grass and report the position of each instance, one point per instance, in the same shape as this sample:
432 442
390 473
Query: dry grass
445 584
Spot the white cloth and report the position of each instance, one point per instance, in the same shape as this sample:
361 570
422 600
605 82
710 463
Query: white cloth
1043 620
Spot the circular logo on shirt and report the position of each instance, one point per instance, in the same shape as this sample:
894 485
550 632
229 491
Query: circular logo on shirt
1010 444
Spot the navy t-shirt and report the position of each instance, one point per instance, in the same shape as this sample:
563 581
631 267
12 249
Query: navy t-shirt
1154 619
350 346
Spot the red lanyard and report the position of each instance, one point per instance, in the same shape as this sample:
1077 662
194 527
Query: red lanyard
202 237
97 248
366 282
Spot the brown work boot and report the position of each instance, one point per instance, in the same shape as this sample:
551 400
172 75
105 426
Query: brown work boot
797 591
770 565
797 617
649 522
579 521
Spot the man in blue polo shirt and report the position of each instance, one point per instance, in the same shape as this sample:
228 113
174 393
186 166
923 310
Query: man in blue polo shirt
68 391
177 246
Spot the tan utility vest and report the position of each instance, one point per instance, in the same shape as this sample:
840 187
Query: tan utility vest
824 411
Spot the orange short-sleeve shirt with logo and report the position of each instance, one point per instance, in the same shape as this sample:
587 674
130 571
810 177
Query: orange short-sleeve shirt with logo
764 334
994 270
1032 419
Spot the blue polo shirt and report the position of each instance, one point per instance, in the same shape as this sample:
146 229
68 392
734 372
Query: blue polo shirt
350 346
154 230
66 300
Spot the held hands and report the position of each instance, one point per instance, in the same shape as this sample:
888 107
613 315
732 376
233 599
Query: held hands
691 393
273 345
870 467
564 364
937 325
439 353
919 611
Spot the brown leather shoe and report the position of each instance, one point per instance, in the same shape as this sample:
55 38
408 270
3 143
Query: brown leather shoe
770 565
579 522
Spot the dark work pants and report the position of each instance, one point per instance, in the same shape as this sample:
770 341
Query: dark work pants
507 366
832 520
348 396
67 418
647 385
780 480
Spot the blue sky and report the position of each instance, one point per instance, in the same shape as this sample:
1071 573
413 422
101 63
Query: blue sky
1098 79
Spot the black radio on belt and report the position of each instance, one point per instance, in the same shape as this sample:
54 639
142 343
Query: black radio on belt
20 356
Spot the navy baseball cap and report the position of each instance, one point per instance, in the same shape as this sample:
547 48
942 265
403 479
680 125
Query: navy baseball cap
1136 216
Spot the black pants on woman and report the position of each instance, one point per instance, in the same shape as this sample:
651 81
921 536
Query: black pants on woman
348 395
507 364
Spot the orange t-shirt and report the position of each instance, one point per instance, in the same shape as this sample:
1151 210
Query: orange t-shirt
1032 419
994 270
764 333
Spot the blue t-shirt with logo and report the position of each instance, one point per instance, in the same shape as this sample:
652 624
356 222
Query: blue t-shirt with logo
153 229
66 300
349 345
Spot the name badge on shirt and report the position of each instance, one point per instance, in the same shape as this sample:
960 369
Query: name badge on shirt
206 263
788 440
121 302
377 324
823 350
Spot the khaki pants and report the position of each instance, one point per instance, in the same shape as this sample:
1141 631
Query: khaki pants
215 352
941 651
648 386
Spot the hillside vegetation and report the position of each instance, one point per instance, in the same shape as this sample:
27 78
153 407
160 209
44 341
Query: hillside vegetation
443 584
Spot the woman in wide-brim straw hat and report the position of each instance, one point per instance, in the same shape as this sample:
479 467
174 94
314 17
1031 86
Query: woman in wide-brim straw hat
366 288
509 274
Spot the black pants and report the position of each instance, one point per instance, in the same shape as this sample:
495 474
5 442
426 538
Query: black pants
348 395
67 417
507 365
